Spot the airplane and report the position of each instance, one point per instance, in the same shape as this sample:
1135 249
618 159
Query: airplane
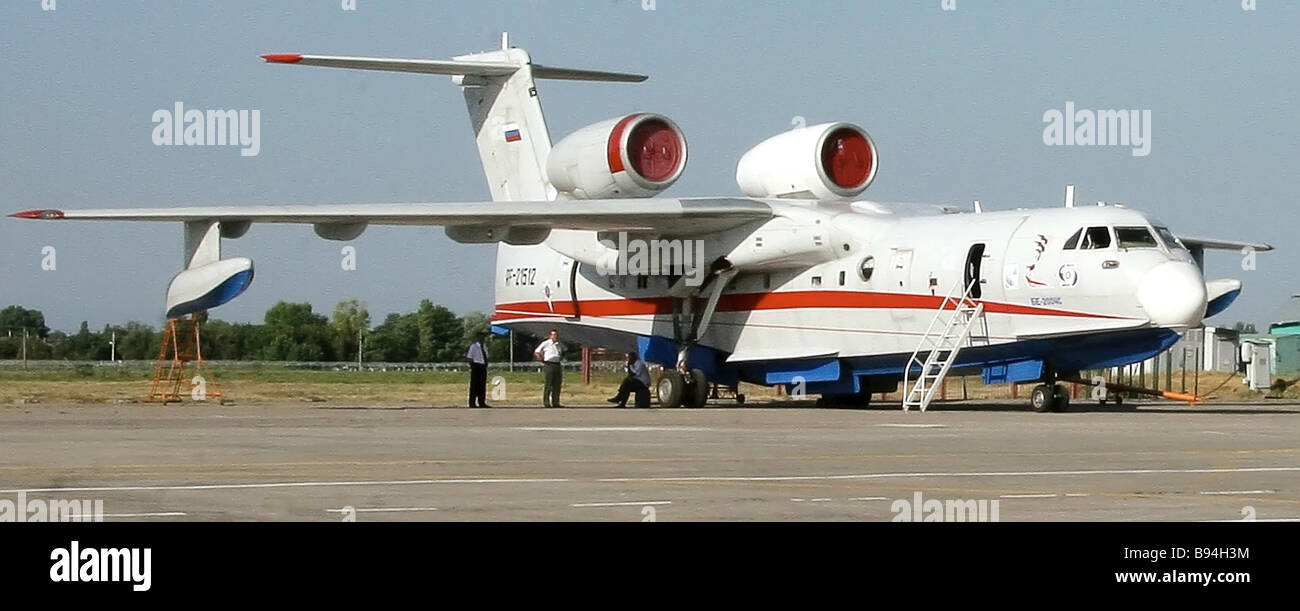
798 283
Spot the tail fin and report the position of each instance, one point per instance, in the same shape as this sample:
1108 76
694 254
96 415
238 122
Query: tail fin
504 108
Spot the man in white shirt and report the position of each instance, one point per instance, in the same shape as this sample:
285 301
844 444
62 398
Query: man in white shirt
478 362
550 352
637 382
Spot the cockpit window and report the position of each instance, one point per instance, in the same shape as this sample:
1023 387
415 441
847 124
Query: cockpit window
1171 241
1096 237
1135 237
1071 243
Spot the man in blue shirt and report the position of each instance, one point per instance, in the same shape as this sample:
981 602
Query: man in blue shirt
637 381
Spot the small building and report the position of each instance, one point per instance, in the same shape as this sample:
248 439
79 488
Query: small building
1219 349
1288 318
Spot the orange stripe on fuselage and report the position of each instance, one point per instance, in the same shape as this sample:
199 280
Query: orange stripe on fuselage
746 302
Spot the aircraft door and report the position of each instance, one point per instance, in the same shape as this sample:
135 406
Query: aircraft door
971 276
900 281
900 269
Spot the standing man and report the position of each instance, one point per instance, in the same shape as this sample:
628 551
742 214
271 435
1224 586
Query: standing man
478 362
637 382
550 352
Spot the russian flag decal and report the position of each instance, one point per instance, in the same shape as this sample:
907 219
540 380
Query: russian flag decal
512 132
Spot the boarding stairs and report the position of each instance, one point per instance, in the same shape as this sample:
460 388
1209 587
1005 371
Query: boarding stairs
958 323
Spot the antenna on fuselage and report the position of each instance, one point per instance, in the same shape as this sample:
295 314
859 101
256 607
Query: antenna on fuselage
978 207
1069 196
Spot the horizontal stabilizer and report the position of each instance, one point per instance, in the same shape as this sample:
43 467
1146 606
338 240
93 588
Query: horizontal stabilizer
449 67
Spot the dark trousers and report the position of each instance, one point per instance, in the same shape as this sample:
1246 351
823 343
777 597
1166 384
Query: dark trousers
477 385
633 386
552 376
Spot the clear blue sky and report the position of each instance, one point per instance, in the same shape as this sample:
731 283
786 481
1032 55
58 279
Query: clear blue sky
954 101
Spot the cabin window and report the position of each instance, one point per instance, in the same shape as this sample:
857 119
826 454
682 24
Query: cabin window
816 280
1096 238
841 278
866 268
1071 243
1135 237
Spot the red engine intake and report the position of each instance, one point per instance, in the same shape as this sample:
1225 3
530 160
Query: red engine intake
634 156
847 158
830 161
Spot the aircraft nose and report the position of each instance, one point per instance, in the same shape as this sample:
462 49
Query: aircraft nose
1173 294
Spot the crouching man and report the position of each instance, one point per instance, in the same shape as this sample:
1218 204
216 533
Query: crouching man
637 382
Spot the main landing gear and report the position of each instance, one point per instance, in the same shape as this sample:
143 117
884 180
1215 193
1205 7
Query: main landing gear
1049 398
685 385
675 389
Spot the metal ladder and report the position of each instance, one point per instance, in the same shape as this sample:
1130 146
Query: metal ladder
942 341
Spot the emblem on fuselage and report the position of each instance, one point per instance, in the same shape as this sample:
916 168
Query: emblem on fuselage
1069 275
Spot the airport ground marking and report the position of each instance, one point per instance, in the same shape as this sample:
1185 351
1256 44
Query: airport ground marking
622 504
1237 492
1027 496
382 509
858 476
612 429
158 514
400 482
157 468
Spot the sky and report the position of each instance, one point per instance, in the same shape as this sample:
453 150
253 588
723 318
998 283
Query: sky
954 100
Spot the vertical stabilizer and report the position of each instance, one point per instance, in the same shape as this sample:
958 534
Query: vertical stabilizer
509 127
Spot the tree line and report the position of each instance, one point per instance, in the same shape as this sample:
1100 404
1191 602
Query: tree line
289 332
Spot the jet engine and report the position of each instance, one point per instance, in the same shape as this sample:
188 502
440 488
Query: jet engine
830 161
625 157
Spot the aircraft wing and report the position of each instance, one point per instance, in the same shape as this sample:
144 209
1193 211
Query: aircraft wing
1217 244
677 217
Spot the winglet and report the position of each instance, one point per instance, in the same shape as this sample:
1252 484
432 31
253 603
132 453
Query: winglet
38 214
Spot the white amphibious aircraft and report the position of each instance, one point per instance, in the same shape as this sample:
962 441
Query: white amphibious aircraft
797 283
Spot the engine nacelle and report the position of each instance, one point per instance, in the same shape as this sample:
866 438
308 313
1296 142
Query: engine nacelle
826 162
625 157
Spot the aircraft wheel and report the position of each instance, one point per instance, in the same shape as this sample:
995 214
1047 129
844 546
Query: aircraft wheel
1062 400
671 388
1041 398
697 390
740 398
